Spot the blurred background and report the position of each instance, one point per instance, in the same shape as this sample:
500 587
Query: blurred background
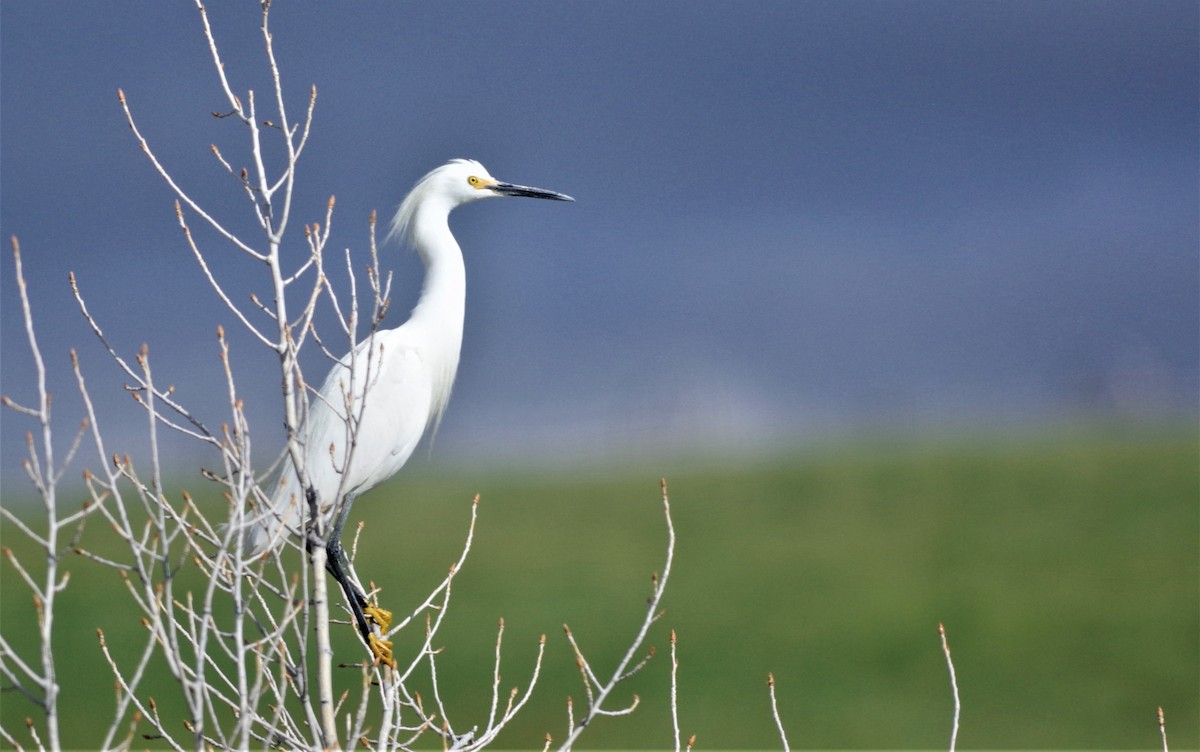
901 297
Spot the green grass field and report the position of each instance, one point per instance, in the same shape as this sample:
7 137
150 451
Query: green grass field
1064 566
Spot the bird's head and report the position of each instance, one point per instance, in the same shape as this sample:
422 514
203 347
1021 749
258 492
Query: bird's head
465 180
458 182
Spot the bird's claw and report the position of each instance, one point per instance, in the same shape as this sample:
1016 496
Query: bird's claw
381 649
380 616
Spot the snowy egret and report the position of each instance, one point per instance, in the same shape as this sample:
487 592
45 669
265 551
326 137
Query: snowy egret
352 442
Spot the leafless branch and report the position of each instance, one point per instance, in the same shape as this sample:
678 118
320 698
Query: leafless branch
622 671
675 689
775 712
247 639
44 585
953 686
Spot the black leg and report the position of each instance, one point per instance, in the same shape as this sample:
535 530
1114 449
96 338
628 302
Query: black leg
338 566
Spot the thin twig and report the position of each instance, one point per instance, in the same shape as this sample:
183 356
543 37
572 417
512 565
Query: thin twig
44 595
596 705
212 280
165 175
775 712
953 686
201 433
675 689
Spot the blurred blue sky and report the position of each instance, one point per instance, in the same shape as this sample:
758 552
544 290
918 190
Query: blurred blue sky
793 218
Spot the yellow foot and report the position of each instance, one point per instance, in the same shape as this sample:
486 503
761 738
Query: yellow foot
381 649
380 616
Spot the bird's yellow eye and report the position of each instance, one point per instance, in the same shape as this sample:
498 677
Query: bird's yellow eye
473 180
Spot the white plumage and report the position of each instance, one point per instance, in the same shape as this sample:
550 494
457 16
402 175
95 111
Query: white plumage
406 373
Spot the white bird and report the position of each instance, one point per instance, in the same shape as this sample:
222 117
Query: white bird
405 373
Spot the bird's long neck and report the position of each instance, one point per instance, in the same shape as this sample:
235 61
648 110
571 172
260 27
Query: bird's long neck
439 313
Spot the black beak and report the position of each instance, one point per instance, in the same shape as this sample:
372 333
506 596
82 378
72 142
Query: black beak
508 189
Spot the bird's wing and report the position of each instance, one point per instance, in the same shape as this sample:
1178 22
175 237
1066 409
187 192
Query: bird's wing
386 418
387 372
